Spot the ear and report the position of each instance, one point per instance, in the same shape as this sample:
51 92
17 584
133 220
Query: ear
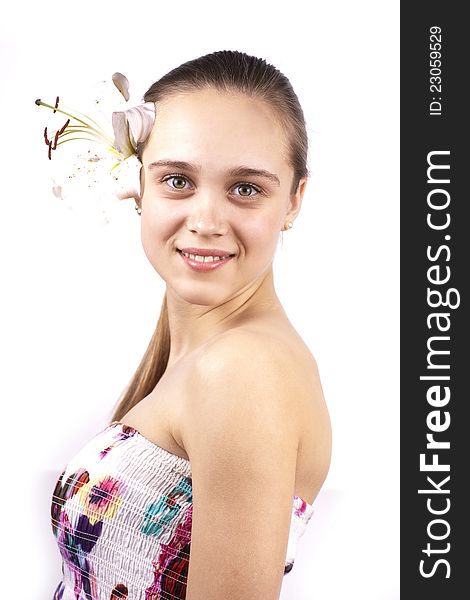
296 200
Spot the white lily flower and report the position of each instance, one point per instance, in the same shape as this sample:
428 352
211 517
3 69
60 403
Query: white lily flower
107 169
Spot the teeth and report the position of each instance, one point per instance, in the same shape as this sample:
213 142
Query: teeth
199 258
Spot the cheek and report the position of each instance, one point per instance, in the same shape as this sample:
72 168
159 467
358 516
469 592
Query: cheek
261 235
156 230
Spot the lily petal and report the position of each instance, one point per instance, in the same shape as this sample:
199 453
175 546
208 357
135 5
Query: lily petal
133 126
127 182
141 119
122 84
121 134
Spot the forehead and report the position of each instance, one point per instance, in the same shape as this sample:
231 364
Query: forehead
211 127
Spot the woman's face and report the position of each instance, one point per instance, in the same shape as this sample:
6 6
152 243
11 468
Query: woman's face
213 202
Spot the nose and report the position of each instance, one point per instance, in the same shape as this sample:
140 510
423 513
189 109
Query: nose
207 215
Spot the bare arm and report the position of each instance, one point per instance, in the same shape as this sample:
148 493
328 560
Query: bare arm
242 443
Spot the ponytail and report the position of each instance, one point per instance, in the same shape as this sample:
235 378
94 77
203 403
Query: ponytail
151 367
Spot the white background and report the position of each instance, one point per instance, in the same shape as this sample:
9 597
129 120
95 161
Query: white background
80 301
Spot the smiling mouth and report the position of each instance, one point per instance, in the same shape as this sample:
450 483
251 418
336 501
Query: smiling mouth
204 258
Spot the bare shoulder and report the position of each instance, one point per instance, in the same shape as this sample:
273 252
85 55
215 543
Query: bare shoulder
253 349
243 372
280 364
249 368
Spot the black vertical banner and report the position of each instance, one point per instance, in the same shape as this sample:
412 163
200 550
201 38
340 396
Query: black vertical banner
435 271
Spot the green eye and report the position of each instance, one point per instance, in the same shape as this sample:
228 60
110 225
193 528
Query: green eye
177 178
247 186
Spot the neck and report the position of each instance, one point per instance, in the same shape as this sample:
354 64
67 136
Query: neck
191 325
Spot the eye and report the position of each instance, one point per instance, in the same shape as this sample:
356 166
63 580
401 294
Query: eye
178 179
245 187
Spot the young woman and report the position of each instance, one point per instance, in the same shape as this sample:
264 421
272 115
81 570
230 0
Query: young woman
204 480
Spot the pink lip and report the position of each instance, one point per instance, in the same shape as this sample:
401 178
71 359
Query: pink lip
205 266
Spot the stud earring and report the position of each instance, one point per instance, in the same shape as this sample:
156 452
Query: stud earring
287 225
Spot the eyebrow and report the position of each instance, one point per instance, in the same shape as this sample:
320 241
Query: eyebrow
241 171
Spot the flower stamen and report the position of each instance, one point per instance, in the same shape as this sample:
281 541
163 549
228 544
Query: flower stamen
95 134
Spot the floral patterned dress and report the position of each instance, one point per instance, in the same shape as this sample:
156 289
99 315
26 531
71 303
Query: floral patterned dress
121 515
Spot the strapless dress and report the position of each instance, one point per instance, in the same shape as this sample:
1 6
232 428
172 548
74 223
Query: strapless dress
121 515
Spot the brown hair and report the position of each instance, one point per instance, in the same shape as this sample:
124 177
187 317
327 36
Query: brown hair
233 72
